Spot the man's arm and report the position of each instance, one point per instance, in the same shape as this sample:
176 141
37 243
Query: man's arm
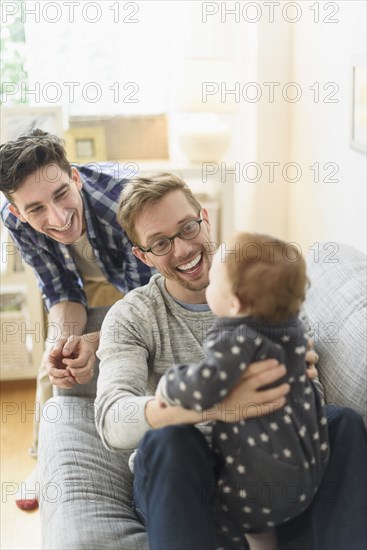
199 386
69 358
245 400
126 410
56 282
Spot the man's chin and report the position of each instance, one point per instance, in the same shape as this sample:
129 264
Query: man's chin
69 237
195 285
60 238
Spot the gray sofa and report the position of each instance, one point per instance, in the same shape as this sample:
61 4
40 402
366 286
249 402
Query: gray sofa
83 486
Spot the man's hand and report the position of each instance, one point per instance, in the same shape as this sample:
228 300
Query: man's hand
71 360
311 360
246 400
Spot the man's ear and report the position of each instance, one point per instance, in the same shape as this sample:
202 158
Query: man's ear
14 210
212 244
75 176
205 215
142 256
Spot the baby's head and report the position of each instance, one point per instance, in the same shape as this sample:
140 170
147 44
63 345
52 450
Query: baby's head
257 275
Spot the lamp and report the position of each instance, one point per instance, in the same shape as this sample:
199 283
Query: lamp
203 83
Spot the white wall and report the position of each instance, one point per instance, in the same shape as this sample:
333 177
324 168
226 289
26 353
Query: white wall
320 132
305 132
262 205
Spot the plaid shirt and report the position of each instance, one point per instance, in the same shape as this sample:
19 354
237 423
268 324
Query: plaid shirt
55 269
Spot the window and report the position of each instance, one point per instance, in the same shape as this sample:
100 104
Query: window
98 58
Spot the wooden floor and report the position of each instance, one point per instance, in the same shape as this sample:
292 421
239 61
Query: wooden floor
19 530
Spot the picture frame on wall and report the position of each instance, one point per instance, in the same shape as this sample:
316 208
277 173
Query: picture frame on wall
85 144
359 105
16 121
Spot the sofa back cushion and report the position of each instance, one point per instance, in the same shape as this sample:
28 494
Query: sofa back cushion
336 305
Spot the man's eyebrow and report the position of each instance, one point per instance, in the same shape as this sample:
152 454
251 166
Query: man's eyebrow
180 222
39 203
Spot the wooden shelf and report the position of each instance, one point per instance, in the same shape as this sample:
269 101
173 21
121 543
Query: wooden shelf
22 331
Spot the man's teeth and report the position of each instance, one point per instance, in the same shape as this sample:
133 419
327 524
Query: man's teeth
62 228
191 264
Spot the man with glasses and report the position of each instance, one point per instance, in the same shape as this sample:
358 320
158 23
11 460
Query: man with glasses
162 246
165 323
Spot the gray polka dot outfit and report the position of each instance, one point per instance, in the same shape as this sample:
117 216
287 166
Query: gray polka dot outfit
269 468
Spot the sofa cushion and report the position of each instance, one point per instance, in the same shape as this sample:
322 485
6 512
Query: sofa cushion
336 305
85 490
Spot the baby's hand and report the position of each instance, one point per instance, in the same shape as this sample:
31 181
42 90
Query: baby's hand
160 400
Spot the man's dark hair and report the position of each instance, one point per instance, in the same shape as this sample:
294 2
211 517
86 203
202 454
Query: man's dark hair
28 153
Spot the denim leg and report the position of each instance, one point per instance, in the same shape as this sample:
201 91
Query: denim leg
174 483
336 519
340 510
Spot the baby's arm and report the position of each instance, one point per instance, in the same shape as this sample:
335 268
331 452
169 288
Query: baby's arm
200 386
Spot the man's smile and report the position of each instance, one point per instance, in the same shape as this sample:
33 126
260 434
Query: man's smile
191 266
60 229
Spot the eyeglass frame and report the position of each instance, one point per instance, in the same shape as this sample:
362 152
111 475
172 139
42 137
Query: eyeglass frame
172 239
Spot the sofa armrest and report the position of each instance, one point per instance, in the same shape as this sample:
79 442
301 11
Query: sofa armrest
336 305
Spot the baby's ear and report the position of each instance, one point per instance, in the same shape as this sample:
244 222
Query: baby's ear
236 306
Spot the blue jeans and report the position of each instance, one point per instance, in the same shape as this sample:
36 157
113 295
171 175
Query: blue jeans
173 470
336 519
175 480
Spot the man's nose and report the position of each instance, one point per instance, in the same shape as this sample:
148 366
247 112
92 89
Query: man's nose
181 247
57 216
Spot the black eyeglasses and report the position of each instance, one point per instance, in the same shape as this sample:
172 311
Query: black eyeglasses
162 246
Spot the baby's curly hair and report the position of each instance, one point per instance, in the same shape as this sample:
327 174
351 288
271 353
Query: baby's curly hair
267 275
27 154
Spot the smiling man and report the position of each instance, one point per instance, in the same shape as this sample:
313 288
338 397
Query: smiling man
165 323
186 271
49 200
63 220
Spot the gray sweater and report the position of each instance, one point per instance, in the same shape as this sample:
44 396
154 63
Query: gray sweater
141 337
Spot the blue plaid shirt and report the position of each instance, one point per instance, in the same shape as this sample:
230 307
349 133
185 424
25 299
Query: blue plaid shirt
55 269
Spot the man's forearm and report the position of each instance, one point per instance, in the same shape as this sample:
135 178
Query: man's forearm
66 319
245 400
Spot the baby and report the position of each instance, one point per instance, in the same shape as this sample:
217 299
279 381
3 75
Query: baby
269 467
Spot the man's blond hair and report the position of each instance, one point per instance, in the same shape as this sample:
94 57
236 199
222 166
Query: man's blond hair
141 193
